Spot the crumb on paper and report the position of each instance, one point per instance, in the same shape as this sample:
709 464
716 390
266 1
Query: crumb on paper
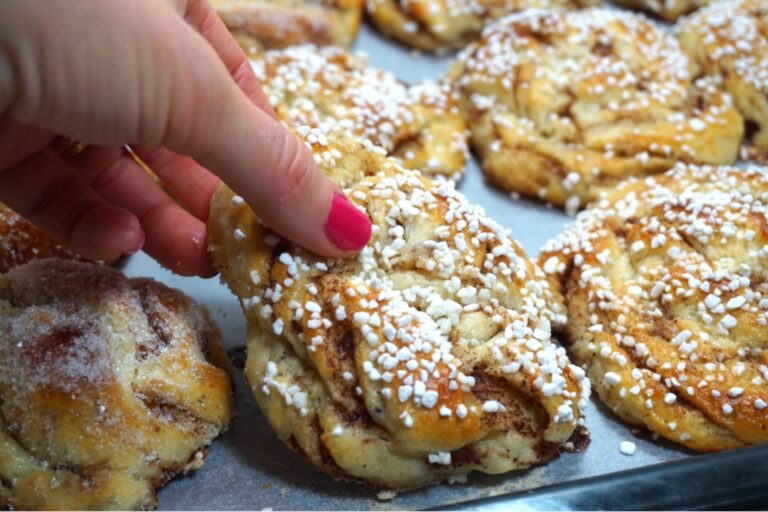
386 495
456 479
627 447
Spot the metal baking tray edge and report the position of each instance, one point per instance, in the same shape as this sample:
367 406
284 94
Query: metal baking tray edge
734 480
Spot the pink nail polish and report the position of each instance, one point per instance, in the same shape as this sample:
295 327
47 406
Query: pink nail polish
347 227
139 246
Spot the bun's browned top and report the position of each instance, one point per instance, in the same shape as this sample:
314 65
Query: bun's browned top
439 25
260 25
665 286
565 105
329 88
427 356
107 387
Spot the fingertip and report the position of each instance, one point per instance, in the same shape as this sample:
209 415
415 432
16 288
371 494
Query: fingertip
179 242
105 233
138 246
346 227
322 220
199 261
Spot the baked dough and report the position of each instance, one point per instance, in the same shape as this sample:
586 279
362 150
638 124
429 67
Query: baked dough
665 282
730 40
563 106
259 25
21 242
329 87
445 24
669 10
424 358
106 389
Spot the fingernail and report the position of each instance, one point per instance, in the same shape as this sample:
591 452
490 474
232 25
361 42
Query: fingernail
139 245
347 227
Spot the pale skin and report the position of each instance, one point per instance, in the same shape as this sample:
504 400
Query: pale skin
165 77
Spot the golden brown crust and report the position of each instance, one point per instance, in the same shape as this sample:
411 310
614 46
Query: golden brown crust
730 40
21 242
669 10
665 287
327 87
425 358
105 387
260 25
563 106
445 24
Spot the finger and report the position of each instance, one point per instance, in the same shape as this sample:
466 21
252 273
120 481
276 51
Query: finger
190 182
259 159
204 19
276 174
19 141
44 189
174 237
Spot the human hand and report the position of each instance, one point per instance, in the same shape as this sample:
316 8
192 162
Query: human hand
166 77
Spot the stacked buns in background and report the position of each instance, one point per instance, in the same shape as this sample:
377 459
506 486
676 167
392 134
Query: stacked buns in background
330 88
728 40
451 24
260 25
563 106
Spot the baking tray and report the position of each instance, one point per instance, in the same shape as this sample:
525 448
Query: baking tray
250 468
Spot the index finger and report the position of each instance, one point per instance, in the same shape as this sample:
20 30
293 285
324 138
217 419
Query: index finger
204 19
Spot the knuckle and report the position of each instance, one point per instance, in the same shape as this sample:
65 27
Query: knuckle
294 171
53 193
208 21
109 178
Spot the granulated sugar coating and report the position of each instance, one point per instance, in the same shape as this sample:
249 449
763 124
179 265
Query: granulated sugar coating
445 24
665 281
106 389
48 363
426 357
326 88
730 40
565 105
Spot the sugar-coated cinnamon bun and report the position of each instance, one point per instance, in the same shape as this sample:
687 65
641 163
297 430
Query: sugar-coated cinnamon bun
665 286
330 88
260 25
444 24
730 40
109 386
564 106
426 357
